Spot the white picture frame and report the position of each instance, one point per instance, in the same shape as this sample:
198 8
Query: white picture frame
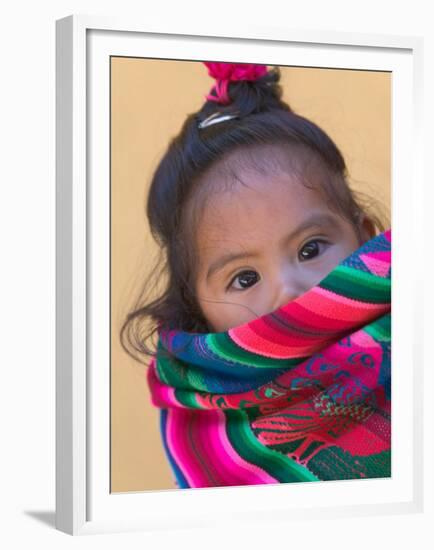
84 504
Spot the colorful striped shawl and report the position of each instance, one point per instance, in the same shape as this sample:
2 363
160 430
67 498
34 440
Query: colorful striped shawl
300 394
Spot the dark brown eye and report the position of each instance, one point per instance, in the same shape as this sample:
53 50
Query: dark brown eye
310 250
244 280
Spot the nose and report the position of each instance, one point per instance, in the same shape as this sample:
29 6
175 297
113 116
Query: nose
287 290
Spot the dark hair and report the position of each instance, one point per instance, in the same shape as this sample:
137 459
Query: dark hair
263 119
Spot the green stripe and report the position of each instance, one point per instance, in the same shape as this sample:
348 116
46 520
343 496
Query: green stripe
359 285
347 466
222 345
175 373
380 329
243 440
171 373
187 398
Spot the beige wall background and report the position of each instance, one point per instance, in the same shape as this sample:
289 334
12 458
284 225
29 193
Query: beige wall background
149 101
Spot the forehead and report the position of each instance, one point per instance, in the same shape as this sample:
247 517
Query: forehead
262 159
263 209
264 189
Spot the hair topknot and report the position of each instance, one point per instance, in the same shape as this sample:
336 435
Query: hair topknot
250 96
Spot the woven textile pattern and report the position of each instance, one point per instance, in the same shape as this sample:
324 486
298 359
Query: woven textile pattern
300 394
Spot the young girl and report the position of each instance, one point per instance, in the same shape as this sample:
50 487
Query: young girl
272 361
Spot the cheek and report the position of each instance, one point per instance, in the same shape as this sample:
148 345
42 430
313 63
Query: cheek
220 317
314 272
341 251
349 246
223 313
213 311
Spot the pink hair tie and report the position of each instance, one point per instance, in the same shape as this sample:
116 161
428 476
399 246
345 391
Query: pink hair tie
224 73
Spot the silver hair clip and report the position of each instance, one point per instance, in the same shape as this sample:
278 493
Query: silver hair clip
215 118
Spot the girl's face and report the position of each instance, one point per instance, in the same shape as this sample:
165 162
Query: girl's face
263 244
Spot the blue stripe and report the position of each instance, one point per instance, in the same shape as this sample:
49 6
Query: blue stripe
180 479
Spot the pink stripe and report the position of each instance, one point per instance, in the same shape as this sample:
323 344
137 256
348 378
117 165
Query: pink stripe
162 395
292 335
376 266
167 396
314 319
316 310
382 255
364 340
252 342
211 450
303 319
339 307
175 437
210 439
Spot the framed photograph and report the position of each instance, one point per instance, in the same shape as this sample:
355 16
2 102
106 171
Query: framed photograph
148 442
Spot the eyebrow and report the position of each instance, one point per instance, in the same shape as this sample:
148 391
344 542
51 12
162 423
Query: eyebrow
226 259
315 220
